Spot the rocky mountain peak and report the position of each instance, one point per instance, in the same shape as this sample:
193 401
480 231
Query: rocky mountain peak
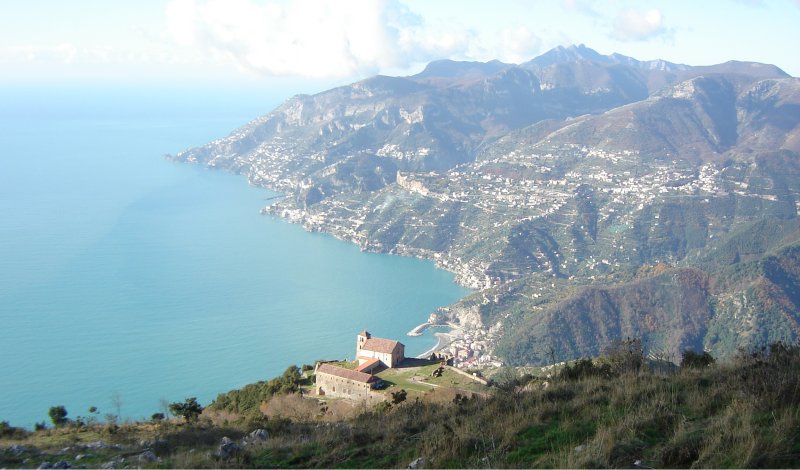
458 69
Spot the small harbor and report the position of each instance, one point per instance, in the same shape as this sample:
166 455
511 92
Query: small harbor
419 329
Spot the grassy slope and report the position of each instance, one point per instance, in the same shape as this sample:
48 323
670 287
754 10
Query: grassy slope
743 413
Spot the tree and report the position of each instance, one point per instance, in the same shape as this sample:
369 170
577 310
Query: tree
163 406
58 415
190 410
507 380
93 414
626 356
399 397
116 402
158 417
292 375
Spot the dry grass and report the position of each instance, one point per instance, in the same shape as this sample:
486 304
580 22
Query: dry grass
724 415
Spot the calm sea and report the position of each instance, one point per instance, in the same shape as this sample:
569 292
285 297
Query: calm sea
125 275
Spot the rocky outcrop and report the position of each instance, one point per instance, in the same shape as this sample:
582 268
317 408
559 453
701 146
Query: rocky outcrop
228 449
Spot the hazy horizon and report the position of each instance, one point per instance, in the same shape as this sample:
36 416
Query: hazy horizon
298 46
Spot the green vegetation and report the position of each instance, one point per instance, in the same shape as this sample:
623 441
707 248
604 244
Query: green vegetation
8 431
692 359
189 410
418 380
671 307
399 396
560 206
607 412
58 415
247 400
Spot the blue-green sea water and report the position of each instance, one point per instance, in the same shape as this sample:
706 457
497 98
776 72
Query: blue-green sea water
123 274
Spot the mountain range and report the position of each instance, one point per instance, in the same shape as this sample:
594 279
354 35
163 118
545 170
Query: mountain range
585 197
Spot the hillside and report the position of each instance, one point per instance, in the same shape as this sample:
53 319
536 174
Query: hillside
684 308
614 411
554 187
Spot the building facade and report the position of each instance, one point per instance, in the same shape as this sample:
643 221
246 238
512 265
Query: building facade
339 382
389 352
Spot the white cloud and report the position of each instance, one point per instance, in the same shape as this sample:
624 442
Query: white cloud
635 25
519 44
312 38
585 7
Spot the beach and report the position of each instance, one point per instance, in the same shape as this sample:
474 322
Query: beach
443 340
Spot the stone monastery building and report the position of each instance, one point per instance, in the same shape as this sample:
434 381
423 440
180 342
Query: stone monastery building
372 353
337 381
389 352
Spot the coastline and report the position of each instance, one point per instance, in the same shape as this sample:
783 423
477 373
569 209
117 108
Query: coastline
419 329
443 340
465 274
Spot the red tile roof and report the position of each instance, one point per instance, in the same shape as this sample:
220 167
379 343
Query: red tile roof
345 373
371 361
381 345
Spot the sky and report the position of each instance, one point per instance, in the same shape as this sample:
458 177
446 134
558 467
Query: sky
311 45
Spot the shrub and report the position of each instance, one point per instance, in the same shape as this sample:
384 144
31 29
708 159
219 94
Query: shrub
248 399
9 431
58 415
291 406
769 374
583 368
399 397
508 380
460 400
693 360
382 407
625 356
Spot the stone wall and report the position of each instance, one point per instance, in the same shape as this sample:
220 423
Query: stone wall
334 386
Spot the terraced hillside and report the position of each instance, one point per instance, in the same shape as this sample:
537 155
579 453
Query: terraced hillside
586 197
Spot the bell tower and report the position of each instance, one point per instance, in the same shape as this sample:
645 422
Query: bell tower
361 339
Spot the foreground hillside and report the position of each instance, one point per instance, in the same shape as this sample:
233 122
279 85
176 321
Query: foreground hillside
612 412
586 196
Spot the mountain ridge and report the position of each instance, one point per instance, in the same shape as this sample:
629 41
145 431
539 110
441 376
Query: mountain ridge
574 168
